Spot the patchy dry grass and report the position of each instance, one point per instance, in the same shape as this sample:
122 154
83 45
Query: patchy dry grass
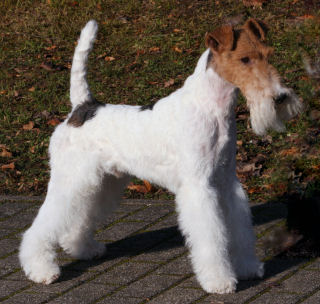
151 42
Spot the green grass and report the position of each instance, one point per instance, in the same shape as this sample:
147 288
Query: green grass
37 32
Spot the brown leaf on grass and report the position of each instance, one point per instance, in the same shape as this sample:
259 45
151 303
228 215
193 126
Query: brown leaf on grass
246 168
2 92
147 185
10 166
102 55
304 17
51 47
53 122
177 30
28 126
45 114
154 49
177 49
5 153
254 3
32 89
145 188
254 190
290 151
46 66
74 3
109 58
169 83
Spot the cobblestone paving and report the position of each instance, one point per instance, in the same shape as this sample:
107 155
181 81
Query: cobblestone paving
147 262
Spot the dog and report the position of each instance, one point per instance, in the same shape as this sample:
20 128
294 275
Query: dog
186 142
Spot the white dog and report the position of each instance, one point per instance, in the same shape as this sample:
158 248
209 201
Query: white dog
186 142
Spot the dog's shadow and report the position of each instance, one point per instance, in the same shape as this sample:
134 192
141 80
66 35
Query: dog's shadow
146 242
169 238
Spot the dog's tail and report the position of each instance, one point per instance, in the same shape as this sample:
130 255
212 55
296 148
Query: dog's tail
79 88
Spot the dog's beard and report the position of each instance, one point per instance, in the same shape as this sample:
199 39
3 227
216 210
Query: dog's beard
266 114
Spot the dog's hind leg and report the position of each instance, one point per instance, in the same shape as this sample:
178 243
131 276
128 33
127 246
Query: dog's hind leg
78 239
73 204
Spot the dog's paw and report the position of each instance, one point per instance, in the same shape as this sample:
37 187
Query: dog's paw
45 275
221 286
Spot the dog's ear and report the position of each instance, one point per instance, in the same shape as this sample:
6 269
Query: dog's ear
220 39
256 28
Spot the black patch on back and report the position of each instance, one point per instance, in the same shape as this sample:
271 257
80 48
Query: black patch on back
84 112
210 56
147 107
236 36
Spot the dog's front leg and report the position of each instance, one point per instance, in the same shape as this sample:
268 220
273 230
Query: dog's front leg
242 246
202 222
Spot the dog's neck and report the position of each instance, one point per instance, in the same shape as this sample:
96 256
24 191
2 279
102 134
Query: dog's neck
209 91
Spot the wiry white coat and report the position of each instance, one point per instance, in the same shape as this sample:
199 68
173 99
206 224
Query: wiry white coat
186 143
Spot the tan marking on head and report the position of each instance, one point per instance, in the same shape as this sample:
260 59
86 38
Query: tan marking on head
241 57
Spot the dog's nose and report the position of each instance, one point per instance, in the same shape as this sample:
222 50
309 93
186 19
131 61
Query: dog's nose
280 98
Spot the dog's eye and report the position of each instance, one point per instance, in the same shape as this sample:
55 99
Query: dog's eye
245 60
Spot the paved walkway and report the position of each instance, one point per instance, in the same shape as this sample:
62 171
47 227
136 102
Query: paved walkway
147 262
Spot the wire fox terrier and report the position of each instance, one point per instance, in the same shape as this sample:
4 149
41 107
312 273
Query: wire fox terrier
185 142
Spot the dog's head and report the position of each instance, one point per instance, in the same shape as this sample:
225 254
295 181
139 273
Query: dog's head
241 57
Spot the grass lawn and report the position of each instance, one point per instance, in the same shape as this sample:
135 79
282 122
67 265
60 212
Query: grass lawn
144 51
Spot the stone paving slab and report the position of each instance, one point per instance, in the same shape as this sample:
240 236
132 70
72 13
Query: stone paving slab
147 262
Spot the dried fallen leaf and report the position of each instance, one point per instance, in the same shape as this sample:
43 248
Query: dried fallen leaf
53 122
32 89
177 49
5 153
290 151
138 188
169 83
2 92
51 47
74 3
46 66
177 30
304 17
102 55
154 49
28 126
254 190
147 185
8 166
254 3
246 168
45 114
109 58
